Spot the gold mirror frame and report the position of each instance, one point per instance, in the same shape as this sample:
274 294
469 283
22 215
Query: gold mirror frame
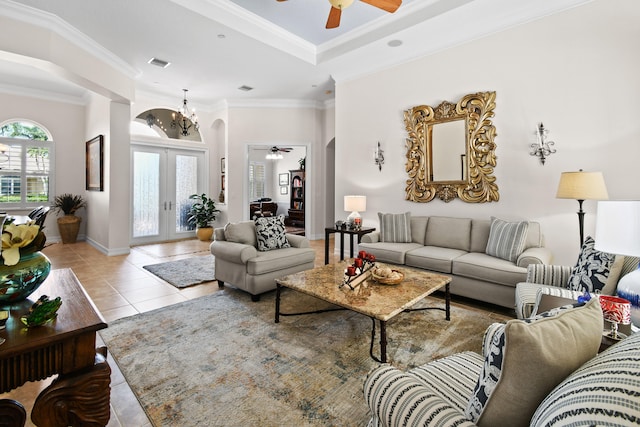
479 184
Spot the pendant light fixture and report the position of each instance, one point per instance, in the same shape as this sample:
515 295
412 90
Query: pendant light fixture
184 119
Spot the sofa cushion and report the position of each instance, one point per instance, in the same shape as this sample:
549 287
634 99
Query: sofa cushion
418 228
270 233
595 271
446 232
507 239
395 228
241 232
527 359
393 253
270 261
603 391
479 234
484 267
432 258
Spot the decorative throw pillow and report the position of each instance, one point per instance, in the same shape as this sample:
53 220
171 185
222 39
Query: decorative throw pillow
270 233
241 232
527 359
395 228
507 239
595 271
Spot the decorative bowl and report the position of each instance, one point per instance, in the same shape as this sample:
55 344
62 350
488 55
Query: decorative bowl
388 280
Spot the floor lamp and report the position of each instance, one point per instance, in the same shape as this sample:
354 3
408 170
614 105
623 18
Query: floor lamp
582 186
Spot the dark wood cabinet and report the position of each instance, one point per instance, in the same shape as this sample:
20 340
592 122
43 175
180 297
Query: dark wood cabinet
297 198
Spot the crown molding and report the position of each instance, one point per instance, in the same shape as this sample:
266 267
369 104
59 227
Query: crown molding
44 95
32 16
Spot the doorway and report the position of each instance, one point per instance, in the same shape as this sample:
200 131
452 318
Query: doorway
162 181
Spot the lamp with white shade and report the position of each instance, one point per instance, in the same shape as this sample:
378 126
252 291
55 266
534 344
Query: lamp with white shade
582 186
355 205
618 232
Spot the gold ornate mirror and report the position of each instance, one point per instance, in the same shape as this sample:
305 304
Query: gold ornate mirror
451 150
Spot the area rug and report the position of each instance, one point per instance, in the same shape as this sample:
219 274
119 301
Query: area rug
220 360
185 272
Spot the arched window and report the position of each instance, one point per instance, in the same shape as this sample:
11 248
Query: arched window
26 161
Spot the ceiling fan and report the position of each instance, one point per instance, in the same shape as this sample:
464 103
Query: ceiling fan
275 152
337 5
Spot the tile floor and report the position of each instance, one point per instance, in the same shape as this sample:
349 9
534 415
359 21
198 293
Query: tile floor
120 287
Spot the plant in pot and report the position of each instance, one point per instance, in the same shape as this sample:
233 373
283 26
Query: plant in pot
201 214
69 224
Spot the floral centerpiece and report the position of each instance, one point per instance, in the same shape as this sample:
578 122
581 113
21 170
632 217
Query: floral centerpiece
23 267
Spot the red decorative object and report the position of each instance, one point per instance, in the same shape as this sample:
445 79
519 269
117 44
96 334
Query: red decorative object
615 310
351 271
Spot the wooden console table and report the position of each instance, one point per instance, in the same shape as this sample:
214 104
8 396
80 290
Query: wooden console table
67 347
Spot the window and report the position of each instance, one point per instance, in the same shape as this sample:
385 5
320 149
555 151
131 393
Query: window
26 157
256 180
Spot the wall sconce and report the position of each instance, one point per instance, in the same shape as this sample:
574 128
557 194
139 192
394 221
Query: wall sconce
378 157
542 148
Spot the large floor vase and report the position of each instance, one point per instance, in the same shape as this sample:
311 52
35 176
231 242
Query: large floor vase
19 281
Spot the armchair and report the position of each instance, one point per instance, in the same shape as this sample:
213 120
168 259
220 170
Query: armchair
560 280
239 261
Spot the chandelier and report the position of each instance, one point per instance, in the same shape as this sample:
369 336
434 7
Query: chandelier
185 118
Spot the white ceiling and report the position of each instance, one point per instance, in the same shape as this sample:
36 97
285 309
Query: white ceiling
281 49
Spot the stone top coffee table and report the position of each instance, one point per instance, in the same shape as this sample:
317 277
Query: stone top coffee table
377 301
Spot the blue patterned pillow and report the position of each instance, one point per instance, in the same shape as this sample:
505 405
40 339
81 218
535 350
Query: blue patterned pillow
594 270
270 233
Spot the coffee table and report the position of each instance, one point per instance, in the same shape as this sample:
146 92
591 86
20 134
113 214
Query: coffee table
377 301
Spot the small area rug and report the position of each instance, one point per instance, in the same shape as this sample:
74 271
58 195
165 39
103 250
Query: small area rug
185 272
220 360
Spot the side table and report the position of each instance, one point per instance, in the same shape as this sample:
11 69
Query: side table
67 347
329 230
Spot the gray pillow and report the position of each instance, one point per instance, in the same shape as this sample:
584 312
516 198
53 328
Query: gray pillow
395 228
241 232
270 233
506 239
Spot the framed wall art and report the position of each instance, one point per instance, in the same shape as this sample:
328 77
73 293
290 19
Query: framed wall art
223 165
284 190
95 163
283 179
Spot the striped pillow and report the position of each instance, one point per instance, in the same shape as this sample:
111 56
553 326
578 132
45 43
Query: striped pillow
395 228
507 239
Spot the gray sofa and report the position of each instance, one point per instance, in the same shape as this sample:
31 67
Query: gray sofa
457 247
239 262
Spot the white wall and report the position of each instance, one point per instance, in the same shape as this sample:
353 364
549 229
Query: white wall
65 122
576 71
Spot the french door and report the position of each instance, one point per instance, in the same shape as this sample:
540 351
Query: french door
163 180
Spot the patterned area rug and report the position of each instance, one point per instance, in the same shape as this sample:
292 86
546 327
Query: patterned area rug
185 272
220 360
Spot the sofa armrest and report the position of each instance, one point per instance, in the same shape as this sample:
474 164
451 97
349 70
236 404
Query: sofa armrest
297 241
396 398
550 275
534 256
373 237
237 253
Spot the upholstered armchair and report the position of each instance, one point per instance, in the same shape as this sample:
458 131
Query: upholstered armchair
251 255
535 372
595 272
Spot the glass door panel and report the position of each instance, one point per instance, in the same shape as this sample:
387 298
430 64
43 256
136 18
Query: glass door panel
163 180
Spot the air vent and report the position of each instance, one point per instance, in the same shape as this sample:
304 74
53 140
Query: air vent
245 88
159 63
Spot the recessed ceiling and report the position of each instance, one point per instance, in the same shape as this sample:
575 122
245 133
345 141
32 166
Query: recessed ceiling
280 49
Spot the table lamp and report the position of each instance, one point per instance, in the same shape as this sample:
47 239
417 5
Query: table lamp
355 205
618 232
582 186
615 310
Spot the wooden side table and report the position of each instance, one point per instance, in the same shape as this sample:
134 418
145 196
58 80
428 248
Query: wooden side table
329 230
67 347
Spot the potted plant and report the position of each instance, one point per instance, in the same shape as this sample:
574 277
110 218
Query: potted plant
201 214
69 224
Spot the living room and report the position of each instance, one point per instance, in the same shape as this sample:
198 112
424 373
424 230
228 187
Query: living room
574 70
